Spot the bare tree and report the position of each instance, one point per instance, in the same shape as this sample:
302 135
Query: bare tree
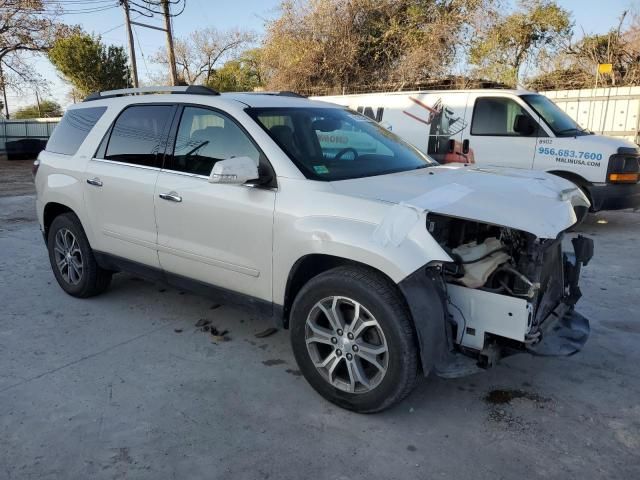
25 26
338 45
576 66
198 55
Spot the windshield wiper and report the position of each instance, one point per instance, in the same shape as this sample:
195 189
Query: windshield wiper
576 129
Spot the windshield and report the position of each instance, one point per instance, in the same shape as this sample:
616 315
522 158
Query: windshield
561 123
337 144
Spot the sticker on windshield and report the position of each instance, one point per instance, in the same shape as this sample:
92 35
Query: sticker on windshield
320 169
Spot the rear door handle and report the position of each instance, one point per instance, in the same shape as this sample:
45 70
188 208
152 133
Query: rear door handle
171 196
95 181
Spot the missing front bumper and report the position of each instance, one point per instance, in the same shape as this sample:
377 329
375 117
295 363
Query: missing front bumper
563 333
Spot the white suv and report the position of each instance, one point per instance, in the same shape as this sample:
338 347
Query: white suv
381 262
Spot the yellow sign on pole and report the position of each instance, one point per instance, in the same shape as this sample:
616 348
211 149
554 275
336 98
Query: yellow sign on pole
605 68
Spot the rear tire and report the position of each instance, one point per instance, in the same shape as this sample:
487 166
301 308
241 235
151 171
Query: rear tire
72 259
364 357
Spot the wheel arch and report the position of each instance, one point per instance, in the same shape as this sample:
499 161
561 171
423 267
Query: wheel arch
576 179
310 266
51 211
579 180
420 292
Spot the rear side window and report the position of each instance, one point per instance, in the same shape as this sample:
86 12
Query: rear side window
138 135
73 129
496 116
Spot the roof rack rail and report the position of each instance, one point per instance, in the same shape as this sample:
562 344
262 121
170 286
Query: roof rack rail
288 93
283 93
190 90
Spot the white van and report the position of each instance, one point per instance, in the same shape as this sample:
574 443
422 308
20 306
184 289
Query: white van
509 128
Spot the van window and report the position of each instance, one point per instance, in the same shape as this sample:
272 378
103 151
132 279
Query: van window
73 129
495 116
205 137
138 135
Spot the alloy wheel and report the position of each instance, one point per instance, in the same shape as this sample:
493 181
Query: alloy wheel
68 256
346 344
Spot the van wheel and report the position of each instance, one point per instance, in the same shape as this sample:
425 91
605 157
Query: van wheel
353 339
72 259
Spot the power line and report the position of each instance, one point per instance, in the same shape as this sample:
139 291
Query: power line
144 58
45 11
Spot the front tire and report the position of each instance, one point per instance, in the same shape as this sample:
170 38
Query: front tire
72 259
353 339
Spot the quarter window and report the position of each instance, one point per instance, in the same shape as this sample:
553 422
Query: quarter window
205 137
138 135
496 116
73 129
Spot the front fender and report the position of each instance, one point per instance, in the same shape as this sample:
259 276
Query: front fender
397 255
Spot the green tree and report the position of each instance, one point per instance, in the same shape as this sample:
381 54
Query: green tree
89 65
508 42
240 75
47 109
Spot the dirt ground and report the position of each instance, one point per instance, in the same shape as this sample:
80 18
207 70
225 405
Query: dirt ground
15 177
127 385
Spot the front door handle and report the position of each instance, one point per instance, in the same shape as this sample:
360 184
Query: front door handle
171 196
95 181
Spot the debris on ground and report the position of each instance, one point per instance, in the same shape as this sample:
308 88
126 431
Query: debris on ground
295 373
272 362
177 330
214 306
501 397
266 333
202 322
219 335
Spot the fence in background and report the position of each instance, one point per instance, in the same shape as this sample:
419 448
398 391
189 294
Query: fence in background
613 111
21 138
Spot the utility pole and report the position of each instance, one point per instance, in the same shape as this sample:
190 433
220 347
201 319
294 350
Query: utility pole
172 57
132 50
38 103
4 93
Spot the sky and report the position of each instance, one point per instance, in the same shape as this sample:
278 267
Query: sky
590 16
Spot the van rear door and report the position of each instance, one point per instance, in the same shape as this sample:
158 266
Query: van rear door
502 131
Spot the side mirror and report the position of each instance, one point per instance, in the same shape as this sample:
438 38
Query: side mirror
524 125
235 170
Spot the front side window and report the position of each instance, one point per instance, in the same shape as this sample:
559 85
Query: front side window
561 123
205 137
496 116
137 136
336 144
73 129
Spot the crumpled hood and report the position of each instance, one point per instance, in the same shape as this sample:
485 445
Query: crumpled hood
528 200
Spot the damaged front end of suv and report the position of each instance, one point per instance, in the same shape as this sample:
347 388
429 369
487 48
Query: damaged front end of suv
505 291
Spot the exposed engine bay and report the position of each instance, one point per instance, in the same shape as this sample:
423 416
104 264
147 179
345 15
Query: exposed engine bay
504 284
